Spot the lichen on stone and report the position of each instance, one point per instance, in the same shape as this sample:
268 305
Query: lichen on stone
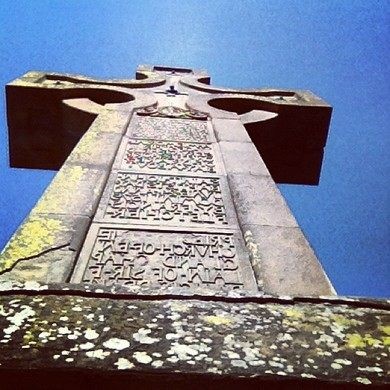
61 190
37 234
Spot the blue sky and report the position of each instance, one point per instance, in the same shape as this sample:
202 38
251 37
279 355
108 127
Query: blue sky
337 49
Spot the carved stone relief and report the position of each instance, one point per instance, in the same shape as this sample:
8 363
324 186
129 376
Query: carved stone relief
164 199
141 258
169 129
166 218
151 155
172 112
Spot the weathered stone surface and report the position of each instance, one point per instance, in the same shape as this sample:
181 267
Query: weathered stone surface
41 249
111 121
97 149
290 267
44 123
259 339
74 190
242 157
166 101
231 130
115 254
53 266
258 201
301 123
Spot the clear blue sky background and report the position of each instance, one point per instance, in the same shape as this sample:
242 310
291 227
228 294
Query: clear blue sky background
338 49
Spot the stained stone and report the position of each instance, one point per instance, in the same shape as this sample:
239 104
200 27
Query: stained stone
96 149
74 190
189 343
111 121
42 249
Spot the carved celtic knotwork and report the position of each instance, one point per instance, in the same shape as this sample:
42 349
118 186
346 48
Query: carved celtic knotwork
126 257
168 156
172 112
166 199
170 129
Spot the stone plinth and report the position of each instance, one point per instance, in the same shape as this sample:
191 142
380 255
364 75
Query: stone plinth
114 336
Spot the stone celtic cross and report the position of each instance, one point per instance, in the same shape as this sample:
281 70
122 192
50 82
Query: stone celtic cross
166 202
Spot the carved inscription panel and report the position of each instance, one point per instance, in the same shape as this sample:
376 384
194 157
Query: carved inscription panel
129 257
166 218
169 129
160 199
151 155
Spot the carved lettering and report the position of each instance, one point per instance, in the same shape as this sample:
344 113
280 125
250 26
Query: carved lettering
131 257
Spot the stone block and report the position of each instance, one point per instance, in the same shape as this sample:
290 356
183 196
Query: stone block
92 336
201 102
242 157
231 130
49 267
96 149
41 249
287 263
111 121
74 190
258 201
